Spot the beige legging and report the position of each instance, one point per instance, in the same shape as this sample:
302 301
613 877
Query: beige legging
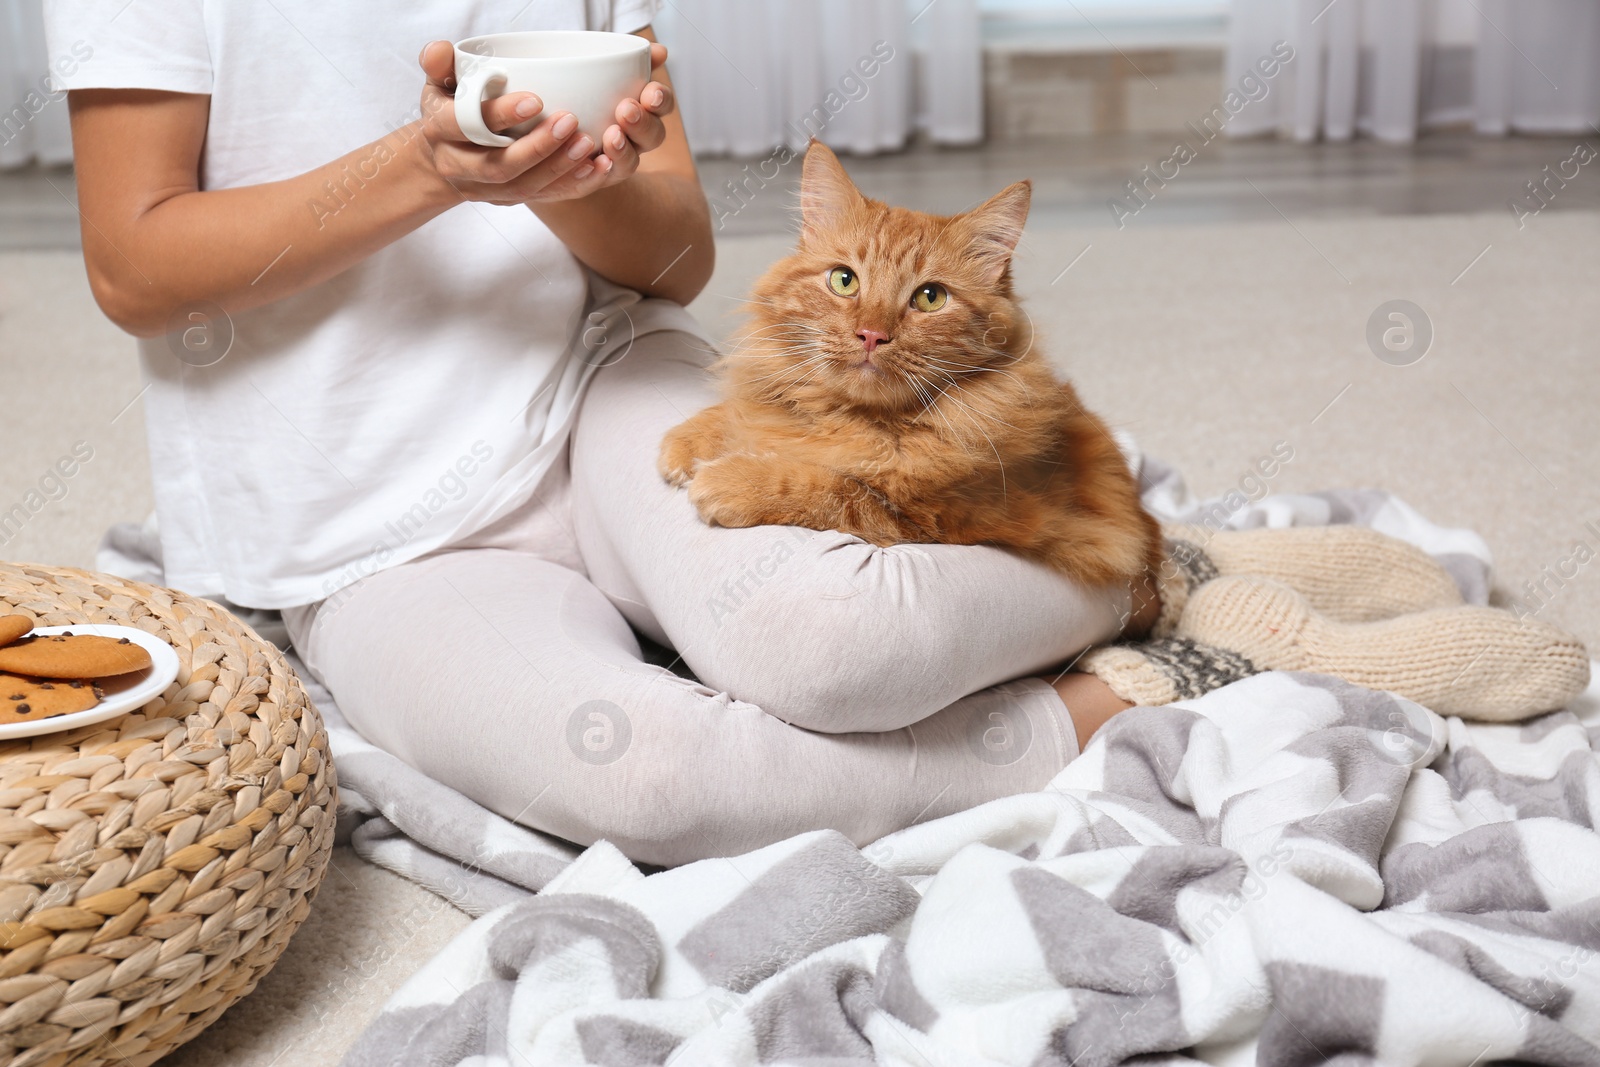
834 677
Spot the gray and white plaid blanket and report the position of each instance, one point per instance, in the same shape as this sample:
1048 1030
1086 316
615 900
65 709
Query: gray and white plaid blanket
1287 871
1290 870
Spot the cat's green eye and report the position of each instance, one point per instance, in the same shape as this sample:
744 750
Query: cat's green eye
843 280
930 297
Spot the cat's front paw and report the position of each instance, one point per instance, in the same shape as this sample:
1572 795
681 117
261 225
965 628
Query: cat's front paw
676 461
676 474
726 494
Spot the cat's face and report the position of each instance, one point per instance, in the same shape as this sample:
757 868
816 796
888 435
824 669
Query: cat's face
885 308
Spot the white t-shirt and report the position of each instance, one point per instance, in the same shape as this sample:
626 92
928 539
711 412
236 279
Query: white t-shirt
401 405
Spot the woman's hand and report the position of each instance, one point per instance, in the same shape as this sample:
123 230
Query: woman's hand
551 162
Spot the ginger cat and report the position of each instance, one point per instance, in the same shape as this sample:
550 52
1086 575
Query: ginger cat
890 389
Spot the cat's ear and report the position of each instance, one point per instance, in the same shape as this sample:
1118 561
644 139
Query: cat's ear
827 195
996 227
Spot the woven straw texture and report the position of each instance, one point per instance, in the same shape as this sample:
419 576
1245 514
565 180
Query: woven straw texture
153 867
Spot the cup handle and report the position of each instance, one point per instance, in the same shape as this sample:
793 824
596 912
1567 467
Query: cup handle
469 106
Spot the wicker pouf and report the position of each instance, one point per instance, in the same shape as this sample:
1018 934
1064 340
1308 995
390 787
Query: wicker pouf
153 867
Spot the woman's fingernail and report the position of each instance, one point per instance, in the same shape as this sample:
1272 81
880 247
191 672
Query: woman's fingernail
655 97
583 171
631 112
564 127
530 107
582 148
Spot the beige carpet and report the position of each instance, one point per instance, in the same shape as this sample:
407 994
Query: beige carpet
1210 343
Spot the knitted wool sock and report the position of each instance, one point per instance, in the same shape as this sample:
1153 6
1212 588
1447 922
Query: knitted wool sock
1348 573
1184 569
1163 669
1478 663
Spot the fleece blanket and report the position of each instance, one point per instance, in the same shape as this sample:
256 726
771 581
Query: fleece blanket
1290 870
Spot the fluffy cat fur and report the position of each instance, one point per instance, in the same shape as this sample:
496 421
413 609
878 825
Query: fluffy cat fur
953 429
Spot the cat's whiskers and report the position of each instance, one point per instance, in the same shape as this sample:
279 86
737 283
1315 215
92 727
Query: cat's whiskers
927 392
822 363
755 347
924 392
782 379
784 349
807 369
784 359
1000 462
747 340
761 346
919 387
770 345
783 323
956 436
790 368
790 324
742 299
957 369
947 394
1012 359
991 416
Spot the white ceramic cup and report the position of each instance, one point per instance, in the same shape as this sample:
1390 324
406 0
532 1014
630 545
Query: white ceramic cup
586 72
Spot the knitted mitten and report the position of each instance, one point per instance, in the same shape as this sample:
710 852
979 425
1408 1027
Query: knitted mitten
1475 662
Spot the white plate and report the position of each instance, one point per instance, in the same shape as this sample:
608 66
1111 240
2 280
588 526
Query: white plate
123 693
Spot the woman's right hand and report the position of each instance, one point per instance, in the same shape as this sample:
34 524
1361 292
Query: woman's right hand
550 162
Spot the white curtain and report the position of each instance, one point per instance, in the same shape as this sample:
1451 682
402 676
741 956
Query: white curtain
756 74
33 125
1389 68
752 74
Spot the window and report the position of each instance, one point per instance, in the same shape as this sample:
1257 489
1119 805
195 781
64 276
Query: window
1090 24
1142 9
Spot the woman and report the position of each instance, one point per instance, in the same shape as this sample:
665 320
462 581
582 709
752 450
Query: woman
411 448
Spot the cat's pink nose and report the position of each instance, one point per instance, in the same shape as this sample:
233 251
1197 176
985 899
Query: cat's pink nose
871 339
